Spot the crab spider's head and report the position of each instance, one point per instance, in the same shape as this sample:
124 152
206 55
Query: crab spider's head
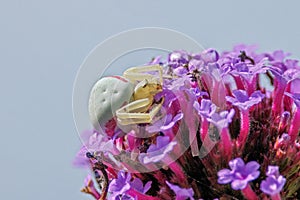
146 89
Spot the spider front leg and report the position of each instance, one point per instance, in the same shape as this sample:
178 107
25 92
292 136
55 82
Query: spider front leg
129 114
140 73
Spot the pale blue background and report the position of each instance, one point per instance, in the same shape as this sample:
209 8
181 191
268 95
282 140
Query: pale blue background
43 43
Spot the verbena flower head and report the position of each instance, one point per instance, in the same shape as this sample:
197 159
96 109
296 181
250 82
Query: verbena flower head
274 181
210 110
239 174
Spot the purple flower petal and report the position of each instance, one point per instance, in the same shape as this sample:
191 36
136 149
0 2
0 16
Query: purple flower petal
236 164
222 119
180 71
120 185
196 64
181 193
295 97
138 185
178 58
81 160
225 176
240 95
206 109
242 100
164 124
272 185
273 171
237 184
240 173
210 56
156 152
251 166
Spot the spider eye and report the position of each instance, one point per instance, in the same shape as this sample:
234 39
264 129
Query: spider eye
145 85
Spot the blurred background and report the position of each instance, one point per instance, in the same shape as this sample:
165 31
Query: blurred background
43 44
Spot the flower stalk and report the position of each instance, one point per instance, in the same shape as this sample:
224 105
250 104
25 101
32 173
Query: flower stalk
278 99
226 143
276 197
244 130
249 193
295 126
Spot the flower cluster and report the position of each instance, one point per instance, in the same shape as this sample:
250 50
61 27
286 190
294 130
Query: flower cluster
238 108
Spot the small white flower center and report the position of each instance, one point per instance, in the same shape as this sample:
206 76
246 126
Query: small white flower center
273 186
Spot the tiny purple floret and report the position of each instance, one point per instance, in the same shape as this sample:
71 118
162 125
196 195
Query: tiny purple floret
166 123
206 108
222 119
240 173
243 101
158 151
181 193
274 183
119 185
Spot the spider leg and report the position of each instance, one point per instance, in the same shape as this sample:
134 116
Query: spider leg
140 73
134 106
128 115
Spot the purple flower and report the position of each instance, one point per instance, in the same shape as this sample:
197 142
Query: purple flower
295 97
137 184
240 174
292 64
278 56
274 182
175 84
119 185
164 124
210 56
196 64
285 76
248 70
206 109
178 58
214 71
81 160
291 74
273 171
156 152
197 93
181 193
180 71
243 101
95 141
122 197
222 119
99 142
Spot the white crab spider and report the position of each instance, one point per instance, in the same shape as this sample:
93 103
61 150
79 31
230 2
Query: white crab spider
130 98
